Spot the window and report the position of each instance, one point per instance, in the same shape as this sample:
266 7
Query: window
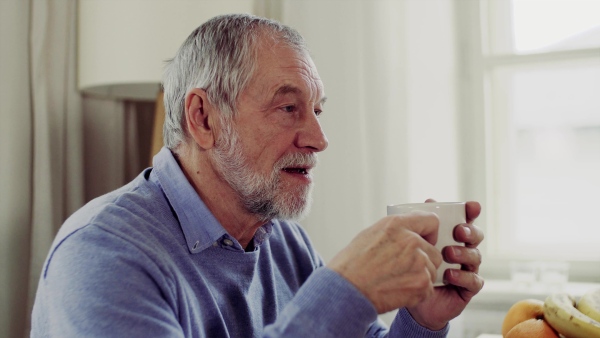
531 96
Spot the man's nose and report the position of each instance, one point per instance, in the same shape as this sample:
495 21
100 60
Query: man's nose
311 135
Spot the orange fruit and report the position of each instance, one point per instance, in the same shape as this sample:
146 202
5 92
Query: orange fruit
531 328
521 311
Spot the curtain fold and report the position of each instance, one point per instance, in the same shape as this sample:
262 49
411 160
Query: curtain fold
58 149
57 156
42 173
15 166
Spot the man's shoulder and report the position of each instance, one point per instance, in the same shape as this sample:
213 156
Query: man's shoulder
138 197
136 206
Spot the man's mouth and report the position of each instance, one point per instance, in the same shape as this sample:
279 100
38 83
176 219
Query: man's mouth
298 164
302 171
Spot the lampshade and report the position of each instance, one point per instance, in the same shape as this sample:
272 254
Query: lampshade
123 44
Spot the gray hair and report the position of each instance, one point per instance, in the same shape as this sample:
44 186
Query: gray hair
219 57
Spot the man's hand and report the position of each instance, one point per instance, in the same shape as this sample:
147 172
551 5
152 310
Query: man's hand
393 263
449 301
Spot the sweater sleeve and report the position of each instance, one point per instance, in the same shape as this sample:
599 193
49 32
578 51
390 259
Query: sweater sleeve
406 327
329 306
110 291
325 306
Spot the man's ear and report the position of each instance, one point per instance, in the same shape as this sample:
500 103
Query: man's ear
200 118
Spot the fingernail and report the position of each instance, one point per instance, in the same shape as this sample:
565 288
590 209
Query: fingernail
450 274
457 252
467 231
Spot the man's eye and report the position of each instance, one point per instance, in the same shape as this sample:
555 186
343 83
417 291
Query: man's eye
318 112
289 109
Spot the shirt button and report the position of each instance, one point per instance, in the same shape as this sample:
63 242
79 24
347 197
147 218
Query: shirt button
228 242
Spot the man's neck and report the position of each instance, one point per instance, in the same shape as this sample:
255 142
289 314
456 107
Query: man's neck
222 201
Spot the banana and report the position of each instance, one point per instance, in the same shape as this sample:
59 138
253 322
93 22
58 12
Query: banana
560 312
589 304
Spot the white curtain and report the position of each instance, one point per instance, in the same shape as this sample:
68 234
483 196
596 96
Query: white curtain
389 73
388 67
389 70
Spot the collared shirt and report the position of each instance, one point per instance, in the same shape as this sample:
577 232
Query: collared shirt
150 260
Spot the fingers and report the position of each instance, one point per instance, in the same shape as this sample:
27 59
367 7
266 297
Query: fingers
468 258
468 283
394 262
469 233
425 259
432 256
473 209
425 254
472 235
425 224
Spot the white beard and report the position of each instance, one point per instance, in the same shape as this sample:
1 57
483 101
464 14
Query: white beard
263 195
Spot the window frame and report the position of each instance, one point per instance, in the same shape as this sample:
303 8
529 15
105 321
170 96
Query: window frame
477 135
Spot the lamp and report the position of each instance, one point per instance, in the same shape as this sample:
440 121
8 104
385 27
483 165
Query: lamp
122 45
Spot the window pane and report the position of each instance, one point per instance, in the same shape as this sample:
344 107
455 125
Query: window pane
551 116
528 26
555 24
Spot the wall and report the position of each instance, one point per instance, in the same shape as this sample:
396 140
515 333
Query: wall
389 72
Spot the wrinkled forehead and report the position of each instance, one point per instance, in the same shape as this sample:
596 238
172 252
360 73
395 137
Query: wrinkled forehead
281 64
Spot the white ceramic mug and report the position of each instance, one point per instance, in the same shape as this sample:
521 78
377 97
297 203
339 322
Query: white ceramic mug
450 214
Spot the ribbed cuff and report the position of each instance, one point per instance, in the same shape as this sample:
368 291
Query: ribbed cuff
327 305
405 326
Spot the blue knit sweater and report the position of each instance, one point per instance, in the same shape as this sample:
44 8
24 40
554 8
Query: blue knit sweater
150 260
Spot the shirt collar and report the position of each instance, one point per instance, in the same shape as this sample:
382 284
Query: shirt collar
200 227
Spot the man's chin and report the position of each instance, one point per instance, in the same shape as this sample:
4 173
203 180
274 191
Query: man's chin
284 202
296 208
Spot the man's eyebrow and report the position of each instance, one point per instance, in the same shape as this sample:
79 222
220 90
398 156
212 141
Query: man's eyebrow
288 89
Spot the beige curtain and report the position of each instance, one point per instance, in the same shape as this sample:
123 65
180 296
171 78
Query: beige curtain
57 149
57 152
42 145
16 146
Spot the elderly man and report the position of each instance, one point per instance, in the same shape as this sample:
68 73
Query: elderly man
203 244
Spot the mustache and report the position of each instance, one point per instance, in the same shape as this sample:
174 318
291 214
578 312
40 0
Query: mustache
297 160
